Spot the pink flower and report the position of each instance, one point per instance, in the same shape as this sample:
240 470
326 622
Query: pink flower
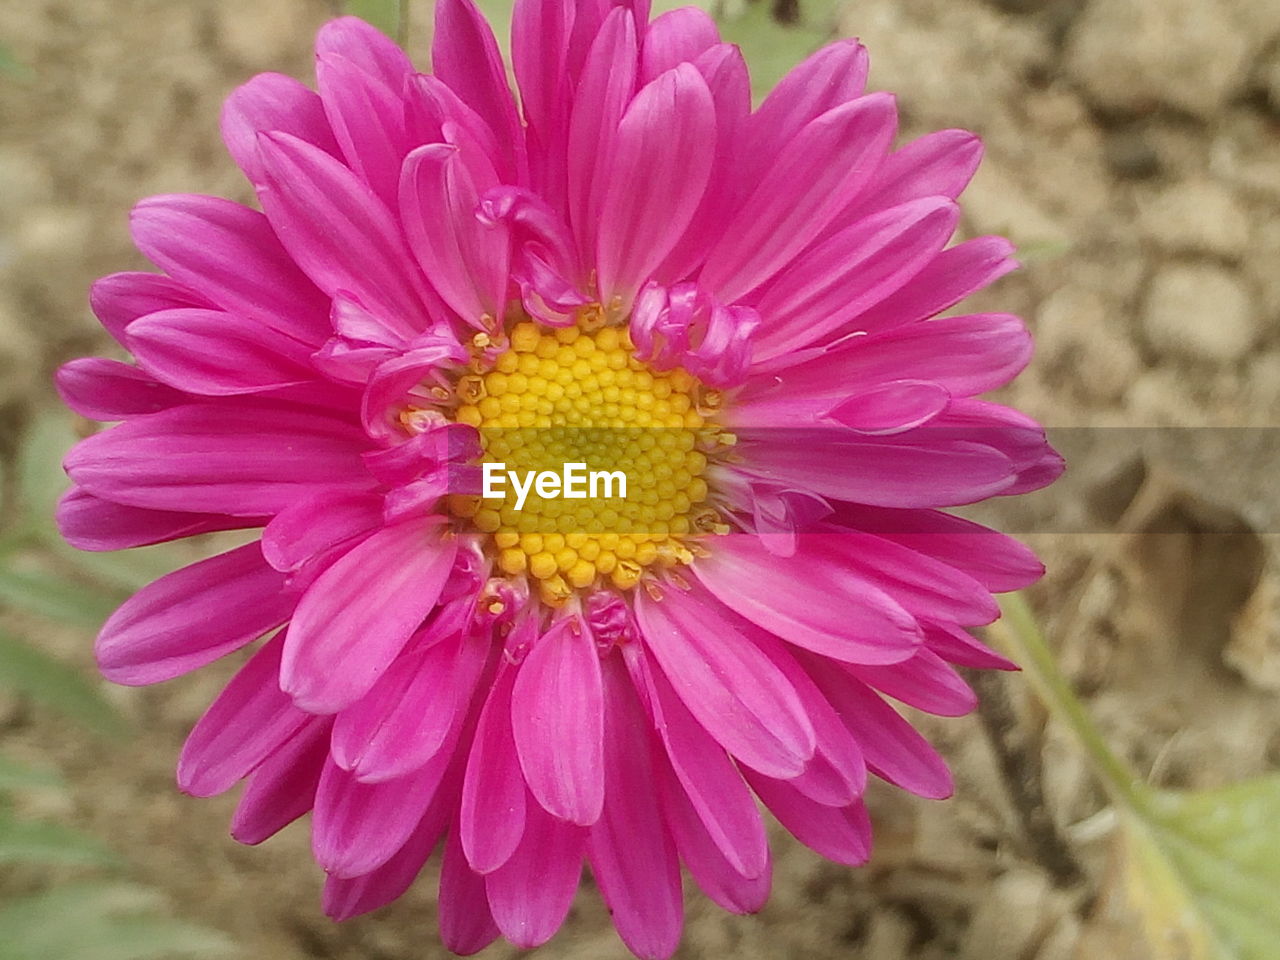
632 270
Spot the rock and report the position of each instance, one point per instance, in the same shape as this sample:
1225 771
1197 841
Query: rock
1132 54
1200 311
1011 918
1077 328
19 356
1197 217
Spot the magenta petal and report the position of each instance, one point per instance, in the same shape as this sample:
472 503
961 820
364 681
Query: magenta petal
839 834
283 788
956 645
530 894
247 722
233 456
464 54
656 175
706 861
676 37
121 298
272 101
632 855
91 523
539 47
365 47
192 617
409 714
357 827
848 274
557 717
827 161
315 524
359 614
894 749
811 601
466 262
709 781
213 353
728 685
105 390
925 682
339 232
492 817
938 164
892 407
231 255
466 925
347 897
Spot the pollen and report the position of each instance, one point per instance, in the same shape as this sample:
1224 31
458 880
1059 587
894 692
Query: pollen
578 394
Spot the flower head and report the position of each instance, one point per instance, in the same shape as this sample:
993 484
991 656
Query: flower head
632 272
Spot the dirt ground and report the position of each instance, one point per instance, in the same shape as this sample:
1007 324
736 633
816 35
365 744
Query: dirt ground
1133 154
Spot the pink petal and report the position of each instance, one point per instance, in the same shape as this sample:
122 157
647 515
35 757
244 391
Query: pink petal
339 232
345 898
889 408
316 524
530 894
242 457
849 273
656 175
938 164
811 602
728 685
91 523
353 621
709 781
247 722
676 37
464 54
607 86
466 925
492 817
826 162
632 855
705 859
953 275
409 714
467 262
365 47
539 46
357 827
272 101
839 834
104 390
956 645
557 718
231 255
213 353
118 299
283 788
894 750
925 682
192 617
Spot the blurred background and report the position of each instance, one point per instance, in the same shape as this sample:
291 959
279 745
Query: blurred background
1133 155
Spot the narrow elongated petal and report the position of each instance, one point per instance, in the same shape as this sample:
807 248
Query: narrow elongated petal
212 353
91 523
842 834
248 721
231 255
816 607
368 119
676 37
925 682
192 617
360 613
316 524
557 716
530 894
466 924
939 164
492 817
103 389
632 855
657 174
727 684
118 299
284 787
367 48
272 101
540 32
826 162
238 457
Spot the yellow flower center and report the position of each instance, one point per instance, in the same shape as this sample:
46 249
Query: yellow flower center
578 395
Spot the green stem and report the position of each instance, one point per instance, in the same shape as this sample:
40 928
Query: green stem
1018 627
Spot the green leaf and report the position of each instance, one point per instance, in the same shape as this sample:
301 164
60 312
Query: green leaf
55 597
1202 870
17 776
23 841
33 674
101 921
772 48
40 477
387 15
